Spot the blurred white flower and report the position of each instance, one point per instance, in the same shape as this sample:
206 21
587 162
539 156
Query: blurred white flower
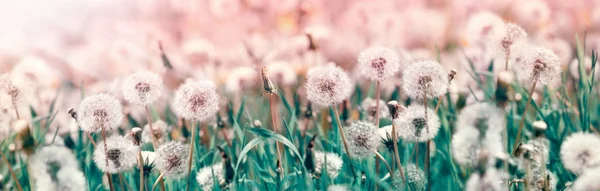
539 65
142 88
120 154
492 180
378 63
327 85
171 159
580 151
196 100
205 176
334 163
99 112
425 78
363 139
414 127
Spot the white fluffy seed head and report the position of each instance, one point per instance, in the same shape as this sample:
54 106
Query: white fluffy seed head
18 87
413 126
482 116
337 188
120 153
378 63
588 180
196 100
205 176
142 88
171 159
479 25
241 78
363 139
536 179
468 145
580 151
281 73
370 107
334 163
49 160
539 65
327 85
491 180
503 40
415 177
100 111
160 132
425 78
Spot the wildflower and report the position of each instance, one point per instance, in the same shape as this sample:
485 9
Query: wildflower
241 78
479 25
98 112
337 187
196 101
378 63
363 139
588 180
370 106
56 168
334 163
142 88
539 65
415 177
119 155
504 40
205 176
282 73
482 116
425 78
327 85
160 132
490 180
171 159
580 151
468 143
18 87
414 127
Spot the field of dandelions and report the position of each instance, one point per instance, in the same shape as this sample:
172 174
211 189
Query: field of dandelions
433 96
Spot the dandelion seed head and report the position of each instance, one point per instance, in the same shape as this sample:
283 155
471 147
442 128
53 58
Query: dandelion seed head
588 180
537 179
49 160
370 107
413 126
196 100
503 40
241 78
480 25
327 85
378 63
142 88
334 163
100 111
121 154
580 151
205 176
465 147
385 132
533 14
415 177
160 132
171 159
483 116
363 139
540 65
492 180
71 179
18 87
282 73
425 78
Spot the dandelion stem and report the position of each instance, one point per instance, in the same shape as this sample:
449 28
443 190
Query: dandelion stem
377 97
523 117
437 106
108 176
378 155
506 57
154 142
12 172
344 141
16 111
91 139
159 179
189 171
123 182
141 168
274 125
395 140
427 160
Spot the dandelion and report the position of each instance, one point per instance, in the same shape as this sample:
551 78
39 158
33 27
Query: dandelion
327 85
196 101
117 155
372 108
100 112
479 25
142 88
282 73
170 159
378 63
425 79
415 177
19 88
539 180
334 163
580 151
490 180
159 128
240 79
206 174
415 127
56 168
363 139
337 188
588 180
504 40
468 143
482 116
539 65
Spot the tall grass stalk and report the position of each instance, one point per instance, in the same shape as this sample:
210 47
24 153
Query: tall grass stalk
531 90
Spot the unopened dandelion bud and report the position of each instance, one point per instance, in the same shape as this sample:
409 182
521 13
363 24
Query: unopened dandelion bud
257 123
539 127
503 86
267 84
451 75
312 46
394 108
72 113
136 133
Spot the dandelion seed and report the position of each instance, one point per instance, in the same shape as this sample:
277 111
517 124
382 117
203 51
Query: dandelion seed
536 180
413 126
415 177
539 65
334 163
425 78
196 101
18 87
142 88
171 159
120 152
469 143
580 151
479 25
56 168
100 111
370 106
160 132
482 116
588 180
282 73
337 188
205 176
504 40
491 180
327 85
363 139
378 63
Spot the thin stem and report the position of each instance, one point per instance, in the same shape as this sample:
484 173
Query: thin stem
274 126
16 111
378 155
141 167
159 179
427 152
339 124
122 182
154 141
12 172
189 171
398 162
523 117
506 57
377 97
417 153
437 106
91 139
108 176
